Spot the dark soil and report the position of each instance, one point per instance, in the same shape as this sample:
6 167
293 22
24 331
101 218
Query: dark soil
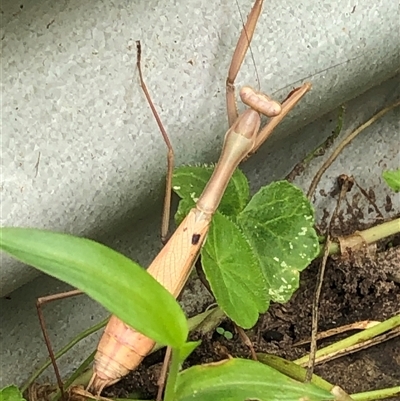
361 287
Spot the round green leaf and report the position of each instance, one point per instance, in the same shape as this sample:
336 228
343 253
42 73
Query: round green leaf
11 393
278 222
233 272
189 181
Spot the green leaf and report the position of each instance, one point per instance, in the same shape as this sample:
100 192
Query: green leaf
11 393
110 278
242 379
392 179
220 331
228 335
184 207
291 369
278 222
189 181
186 349
234 274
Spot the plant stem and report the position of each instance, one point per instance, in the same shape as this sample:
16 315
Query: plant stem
298 373
63 350
369 235
380 231
363 336
377 394
172 375
74 379
292 370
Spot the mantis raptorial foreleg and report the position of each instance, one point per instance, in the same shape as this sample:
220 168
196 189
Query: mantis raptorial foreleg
237 60
257 101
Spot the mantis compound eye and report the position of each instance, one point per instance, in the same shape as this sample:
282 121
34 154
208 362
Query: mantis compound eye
260 102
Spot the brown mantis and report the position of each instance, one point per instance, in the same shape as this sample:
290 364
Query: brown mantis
121 348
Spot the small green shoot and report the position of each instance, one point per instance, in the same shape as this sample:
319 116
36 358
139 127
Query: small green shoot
392 179
226 333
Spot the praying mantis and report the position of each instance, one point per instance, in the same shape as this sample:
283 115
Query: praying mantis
121 349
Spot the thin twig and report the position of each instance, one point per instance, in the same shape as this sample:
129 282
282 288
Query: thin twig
365 324
371 201
360 346
163 374
343 144
245 338
314 328
325 353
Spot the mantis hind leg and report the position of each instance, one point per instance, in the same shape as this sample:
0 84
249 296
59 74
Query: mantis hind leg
39 303
170 155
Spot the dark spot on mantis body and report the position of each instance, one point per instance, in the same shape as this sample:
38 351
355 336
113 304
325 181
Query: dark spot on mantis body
195 239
